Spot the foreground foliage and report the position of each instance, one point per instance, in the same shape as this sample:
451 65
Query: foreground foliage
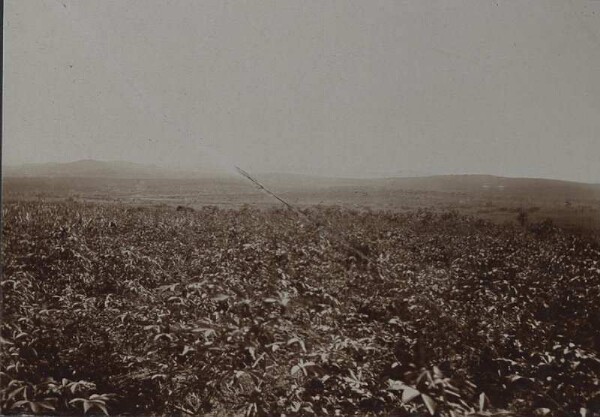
109 309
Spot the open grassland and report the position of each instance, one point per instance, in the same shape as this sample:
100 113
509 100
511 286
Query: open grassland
147 311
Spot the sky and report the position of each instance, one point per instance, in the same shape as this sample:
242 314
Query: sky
337 88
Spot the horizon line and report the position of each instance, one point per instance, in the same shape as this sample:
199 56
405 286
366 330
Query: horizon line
309 175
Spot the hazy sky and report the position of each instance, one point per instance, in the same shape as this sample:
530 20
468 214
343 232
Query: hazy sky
346 88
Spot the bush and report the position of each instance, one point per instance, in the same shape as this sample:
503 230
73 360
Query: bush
140 311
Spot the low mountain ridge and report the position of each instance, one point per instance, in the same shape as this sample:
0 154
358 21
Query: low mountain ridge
474 185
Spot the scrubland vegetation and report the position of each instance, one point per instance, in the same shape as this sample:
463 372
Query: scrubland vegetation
152 311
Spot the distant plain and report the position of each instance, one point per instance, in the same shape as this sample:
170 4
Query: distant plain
571 205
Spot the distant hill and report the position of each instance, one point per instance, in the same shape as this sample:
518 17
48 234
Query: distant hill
314 189
90 168
473 185
570 204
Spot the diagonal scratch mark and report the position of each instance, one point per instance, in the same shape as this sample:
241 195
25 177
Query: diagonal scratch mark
266 190
322 231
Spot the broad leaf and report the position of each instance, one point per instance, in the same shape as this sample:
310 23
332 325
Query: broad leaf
409 394
429 403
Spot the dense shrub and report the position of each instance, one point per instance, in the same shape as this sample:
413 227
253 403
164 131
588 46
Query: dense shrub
163 311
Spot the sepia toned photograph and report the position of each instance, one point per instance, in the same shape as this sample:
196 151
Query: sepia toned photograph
300 208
